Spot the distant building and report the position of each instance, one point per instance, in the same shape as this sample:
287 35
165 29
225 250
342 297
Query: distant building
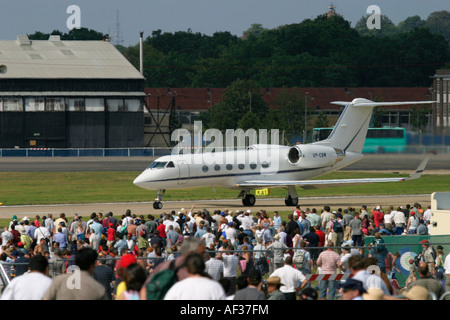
441 94
68 94
182 106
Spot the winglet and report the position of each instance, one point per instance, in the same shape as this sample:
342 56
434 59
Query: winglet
419 169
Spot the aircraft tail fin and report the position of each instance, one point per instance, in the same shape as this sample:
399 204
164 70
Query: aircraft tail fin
350 131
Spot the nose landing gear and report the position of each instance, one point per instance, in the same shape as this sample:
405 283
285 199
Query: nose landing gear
158 204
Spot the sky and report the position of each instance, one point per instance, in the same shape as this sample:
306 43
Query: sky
204 16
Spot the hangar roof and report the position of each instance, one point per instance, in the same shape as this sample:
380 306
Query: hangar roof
56 59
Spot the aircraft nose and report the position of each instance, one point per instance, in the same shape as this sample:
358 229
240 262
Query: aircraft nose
139 181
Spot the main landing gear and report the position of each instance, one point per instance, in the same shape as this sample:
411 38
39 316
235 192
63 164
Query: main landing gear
158 204
291 199
248 199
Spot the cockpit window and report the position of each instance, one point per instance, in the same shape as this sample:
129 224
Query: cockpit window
157 165
170 165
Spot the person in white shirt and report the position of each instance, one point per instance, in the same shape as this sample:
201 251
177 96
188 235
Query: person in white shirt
31 285
388 221
399 221
231 233
291 278
427 214
197 286
214 267
209 238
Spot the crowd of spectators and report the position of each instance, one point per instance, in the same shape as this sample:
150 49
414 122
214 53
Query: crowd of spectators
227 254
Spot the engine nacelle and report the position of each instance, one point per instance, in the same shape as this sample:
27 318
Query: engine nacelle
312 156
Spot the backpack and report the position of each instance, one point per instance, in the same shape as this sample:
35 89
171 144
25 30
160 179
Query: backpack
161 282
300 259
337 227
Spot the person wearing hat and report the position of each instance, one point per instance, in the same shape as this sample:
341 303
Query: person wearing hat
417 293
412 224
273 289
428 255
374 294
352 289
13 221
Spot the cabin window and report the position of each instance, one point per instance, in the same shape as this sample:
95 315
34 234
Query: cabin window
265 164
205 169
241 166
217 167
253 166
229 167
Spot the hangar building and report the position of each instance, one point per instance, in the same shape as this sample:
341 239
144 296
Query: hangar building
68 94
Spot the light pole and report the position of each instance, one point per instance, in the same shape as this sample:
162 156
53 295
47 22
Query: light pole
306 113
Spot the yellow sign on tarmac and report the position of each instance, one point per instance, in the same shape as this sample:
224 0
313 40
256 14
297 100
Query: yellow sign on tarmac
262 192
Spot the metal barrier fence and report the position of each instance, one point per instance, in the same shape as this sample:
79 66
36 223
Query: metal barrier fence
79 152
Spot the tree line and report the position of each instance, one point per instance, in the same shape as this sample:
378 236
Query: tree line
320 52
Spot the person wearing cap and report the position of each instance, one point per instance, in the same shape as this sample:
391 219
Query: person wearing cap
13 221
377 216
412 224
273 289
428 256
352 289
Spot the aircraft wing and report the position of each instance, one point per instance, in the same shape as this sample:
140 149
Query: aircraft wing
300 183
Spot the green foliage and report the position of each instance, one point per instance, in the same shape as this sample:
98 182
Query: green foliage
242 106
321 121
419 118
439 22
74 34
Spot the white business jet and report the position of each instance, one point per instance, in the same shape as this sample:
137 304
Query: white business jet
274 166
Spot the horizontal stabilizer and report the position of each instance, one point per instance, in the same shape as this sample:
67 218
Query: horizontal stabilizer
368 103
